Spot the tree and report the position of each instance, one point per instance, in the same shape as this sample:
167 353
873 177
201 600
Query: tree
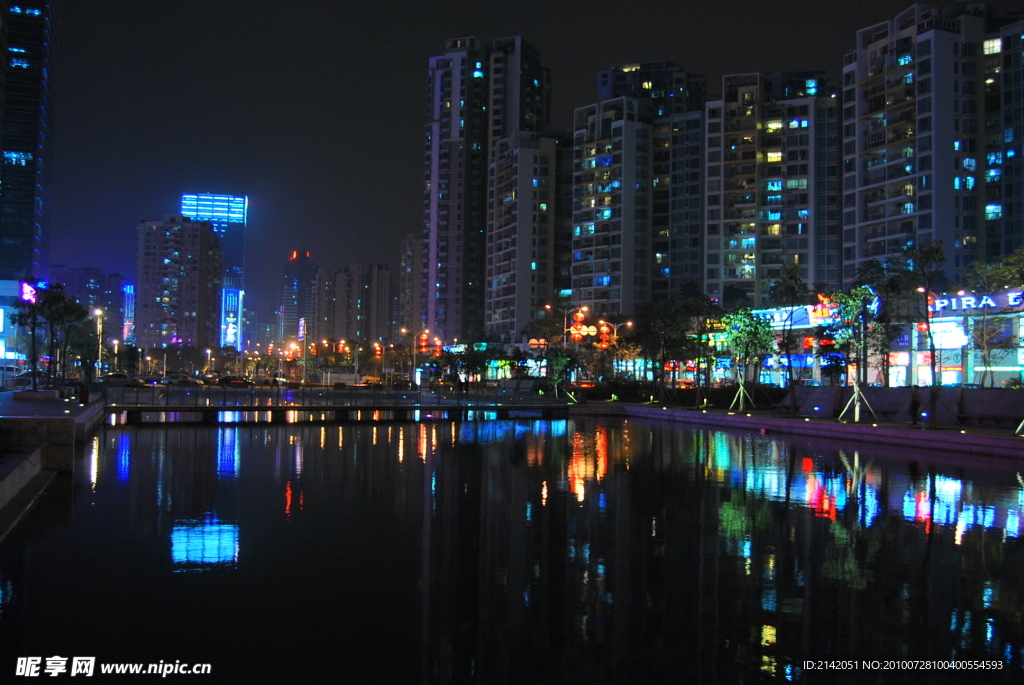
789 291
987 278
750 336
891 282
702 312
60 313
924 273
661 331
852 314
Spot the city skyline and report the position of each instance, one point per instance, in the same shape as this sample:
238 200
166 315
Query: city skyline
262 105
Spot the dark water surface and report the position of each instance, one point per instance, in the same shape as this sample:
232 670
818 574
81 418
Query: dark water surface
513 552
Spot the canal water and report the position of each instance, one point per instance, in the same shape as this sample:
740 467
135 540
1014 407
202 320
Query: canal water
514 552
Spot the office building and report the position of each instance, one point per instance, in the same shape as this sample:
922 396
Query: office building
27 34
295 296
179 271
228 214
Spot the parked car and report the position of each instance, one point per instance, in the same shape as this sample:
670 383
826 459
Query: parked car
120 378
235 382
25 378
181 379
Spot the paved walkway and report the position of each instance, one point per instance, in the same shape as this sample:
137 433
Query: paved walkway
999 442
9 407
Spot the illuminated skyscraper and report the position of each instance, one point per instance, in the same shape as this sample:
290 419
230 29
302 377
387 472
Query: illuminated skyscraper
227 214
296 295
26 35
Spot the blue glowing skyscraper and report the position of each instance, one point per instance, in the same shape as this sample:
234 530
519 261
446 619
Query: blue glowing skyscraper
27 38
227 214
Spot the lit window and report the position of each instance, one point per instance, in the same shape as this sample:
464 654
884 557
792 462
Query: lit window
20 63
18 158
993 211
993 46
774 156
773 126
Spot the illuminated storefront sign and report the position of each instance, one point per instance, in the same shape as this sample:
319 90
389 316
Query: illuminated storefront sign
970 302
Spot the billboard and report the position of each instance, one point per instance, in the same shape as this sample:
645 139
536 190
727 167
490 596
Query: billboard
231 317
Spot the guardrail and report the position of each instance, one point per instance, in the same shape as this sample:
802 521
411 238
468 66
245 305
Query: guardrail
262 396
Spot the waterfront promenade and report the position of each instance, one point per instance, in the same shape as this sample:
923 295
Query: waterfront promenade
38 438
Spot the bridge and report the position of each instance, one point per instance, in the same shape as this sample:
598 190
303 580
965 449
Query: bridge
141 405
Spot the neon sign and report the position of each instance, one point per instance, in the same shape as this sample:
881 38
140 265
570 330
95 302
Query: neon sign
973 301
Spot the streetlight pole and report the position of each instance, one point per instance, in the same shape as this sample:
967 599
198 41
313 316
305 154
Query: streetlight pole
412 343
566 313
933 390
98 313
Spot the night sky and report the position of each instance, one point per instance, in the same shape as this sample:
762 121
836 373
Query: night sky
315 110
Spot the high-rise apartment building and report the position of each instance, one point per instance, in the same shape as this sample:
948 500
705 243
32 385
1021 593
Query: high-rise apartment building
771 179
522 231
477 95
1003 170
637 231
179 269
612 207
27 33
355 303
916 137
411 286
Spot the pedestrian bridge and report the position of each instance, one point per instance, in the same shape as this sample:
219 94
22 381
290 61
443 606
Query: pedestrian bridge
160 405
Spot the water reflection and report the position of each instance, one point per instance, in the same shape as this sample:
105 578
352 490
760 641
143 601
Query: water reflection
514 551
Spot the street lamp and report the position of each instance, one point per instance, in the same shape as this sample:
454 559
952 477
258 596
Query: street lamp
209 360
930 298
98 313
566 313
615 328
933 392
412 343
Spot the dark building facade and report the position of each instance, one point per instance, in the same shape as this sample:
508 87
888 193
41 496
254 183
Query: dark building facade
27 31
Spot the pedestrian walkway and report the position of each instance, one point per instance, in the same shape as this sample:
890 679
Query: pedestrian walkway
56 408
975 440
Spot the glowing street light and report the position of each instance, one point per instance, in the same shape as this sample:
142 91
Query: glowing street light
578 313
98 313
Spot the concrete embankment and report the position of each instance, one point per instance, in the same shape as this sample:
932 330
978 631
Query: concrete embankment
988 442
38 439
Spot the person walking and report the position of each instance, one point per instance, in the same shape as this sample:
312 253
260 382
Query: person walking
915 404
